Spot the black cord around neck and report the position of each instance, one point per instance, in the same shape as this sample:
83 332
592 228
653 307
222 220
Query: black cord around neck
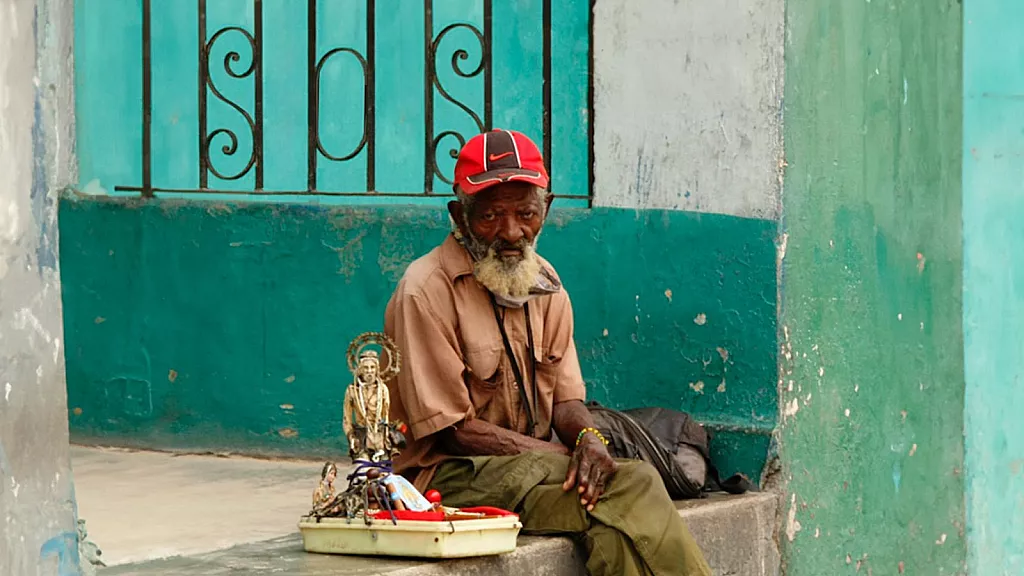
531 423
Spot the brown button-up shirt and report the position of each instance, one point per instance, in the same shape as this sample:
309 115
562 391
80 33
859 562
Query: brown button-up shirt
454 365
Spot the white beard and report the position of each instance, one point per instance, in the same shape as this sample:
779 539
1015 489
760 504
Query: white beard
509 280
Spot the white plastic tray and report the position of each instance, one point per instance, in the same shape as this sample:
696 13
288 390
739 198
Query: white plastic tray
412 538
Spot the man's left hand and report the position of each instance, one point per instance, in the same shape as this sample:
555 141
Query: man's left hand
590 470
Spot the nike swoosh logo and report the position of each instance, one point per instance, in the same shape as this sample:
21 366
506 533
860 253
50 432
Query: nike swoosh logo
496 157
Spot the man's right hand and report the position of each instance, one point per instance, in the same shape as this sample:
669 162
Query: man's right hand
590 470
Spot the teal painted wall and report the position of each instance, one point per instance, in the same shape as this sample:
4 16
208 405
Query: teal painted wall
871 366
108 81
993 289
223 327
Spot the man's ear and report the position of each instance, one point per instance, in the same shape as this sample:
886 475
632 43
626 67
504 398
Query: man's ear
547 203
457 211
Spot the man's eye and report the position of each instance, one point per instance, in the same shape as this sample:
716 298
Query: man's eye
527 215
489 217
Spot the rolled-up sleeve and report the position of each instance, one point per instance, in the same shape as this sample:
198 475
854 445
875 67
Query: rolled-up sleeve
430 383
566 373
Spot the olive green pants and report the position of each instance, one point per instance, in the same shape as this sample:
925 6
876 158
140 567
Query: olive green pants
633 530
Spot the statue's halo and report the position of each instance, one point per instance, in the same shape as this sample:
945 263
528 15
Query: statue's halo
388 350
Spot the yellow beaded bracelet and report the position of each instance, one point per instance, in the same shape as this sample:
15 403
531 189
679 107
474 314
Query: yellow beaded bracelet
595 431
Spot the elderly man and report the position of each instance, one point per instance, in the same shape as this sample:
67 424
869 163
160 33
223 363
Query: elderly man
490 370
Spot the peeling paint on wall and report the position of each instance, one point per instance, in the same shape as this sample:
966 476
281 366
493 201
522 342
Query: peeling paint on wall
868 459
284 317
792 524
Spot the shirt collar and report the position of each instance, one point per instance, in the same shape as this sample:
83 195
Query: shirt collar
455 260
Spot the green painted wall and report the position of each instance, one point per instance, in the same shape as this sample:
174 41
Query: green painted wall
993 218
871 365
223 327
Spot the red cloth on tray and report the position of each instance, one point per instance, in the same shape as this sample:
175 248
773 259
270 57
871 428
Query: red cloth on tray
438 515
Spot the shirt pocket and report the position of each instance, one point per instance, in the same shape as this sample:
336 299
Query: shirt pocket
483 376
547 359
549 367
483 366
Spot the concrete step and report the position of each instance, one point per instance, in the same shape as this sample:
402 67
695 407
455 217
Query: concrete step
735 532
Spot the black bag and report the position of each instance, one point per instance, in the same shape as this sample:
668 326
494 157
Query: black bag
674 443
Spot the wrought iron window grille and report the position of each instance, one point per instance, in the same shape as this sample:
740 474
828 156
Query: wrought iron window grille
438 139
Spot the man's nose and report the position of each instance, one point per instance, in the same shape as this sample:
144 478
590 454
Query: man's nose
510 231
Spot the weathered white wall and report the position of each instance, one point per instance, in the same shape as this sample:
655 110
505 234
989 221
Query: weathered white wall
37 505
687 100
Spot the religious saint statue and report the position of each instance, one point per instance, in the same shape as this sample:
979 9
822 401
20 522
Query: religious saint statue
324 494
367 402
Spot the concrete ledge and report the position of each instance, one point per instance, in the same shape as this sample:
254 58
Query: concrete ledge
735 532
534 555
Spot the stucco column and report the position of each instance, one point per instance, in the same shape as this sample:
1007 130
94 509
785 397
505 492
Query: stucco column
37 502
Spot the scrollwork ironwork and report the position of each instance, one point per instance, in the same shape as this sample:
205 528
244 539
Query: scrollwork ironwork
460 54
453 152
367 63
230 58
450 50
458 58
319 68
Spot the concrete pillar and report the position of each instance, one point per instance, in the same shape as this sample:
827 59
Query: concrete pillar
37 502
870 364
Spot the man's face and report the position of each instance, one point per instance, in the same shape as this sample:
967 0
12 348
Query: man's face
500 229
507 217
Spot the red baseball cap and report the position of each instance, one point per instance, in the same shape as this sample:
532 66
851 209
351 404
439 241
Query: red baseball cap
499 156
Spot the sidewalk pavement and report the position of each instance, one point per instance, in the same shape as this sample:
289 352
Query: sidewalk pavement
145 505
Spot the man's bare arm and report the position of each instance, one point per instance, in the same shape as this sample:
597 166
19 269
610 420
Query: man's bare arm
568 418
480 438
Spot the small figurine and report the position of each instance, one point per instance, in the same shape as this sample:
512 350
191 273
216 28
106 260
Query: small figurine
323 497
367 400
373 442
